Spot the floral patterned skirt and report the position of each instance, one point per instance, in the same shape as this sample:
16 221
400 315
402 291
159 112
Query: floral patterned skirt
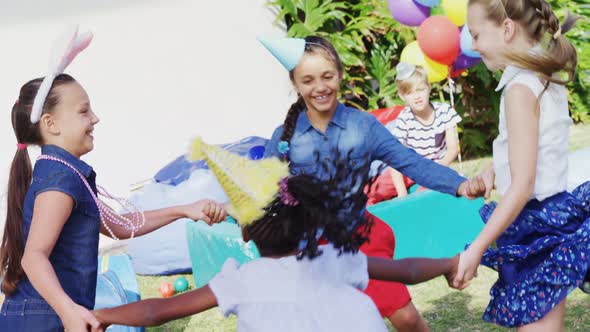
541 258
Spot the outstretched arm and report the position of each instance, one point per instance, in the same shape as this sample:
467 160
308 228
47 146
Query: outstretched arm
412 270
154 312
522 121
206 210
385 147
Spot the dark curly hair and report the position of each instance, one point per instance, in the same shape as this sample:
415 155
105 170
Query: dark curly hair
332 208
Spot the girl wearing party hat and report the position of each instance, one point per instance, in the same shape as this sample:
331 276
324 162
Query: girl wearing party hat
318 122
291 287
49 249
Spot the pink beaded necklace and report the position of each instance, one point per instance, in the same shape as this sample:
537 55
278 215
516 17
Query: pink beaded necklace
133 224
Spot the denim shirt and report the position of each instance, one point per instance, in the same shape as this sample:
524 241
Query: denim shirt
75 254
351 129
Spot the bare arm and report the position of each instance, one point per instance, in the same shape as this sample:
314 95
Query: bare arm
206 210
452 147
398 182
153 312
523 132
411 270
52 210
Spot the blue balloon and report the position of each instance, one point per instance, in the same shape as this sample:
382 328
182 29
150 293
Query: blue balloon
428 3
466 43
463 62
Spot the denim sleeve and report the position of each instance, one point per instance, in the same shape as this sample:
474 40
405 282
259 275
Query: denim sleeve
387 148
64 181
271 149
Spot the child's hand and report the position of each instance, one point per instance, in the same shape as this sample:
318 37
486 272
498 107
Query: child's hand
79 319
207 210
472 188
452 273
488 176
103 325
467 269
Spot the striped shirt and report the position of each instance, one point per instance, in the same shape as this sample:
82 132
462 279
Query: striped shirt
427 140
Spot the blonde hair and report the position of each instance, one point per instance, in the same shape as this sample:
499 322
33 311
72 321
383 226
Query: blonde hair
541 25
409 84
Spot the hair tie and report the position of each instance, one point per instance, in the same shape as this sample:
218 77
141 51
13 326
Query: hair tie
21 146
557 33
286 197
283 147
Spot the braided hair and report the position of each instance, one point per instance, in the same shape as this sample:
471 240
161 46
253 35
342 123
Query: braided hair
541 24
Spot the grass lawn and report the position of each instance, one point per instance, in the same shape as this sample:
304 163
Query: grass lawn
443 308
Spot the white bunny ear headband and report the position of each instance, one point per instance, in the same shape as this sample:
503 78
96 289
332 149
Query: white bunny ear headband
404 70
64 50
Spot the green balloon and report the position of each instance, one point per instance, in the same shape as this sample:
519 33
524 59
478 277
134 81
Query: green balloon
181 284
438 10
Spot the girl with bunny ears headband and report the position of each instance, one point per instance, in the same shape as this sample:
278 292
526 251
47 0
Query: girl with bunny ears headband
49 250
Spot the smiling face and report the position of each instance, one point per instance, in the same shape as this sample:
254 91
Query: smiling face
71 124
489 38
317 79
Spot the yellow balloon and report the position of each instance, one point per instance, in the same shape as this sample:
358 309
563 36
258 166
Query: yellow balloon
413 54
456 11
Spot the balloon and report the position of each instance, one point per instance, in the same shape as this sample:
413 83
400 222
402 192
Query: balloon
428 3
180 284
466 43
166 289
408 12
457 73
456 11
412 54
439 39
464 61
438 10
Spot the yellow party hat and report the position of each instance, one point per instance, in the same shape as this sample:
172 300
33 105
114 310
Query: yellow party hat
251 185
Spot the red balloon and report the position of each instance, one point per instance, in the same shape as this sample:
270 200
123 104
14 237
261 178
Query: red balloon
439 39
166 289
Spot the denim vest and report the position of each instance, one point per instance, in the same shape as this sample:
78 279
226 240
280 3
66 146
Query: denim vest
75 254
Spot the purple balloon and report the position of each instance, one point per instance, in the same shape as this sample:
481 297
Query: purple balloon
408 12
463 62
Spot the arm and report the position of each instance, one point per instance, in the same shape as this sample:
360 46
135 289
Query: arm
452 147
52 210
399 130
411 270
523 130
206 210
385 147
271 148
154 312
398 183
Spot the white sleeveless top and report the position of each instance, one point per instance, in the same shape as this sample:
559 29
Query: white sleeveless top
554 126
